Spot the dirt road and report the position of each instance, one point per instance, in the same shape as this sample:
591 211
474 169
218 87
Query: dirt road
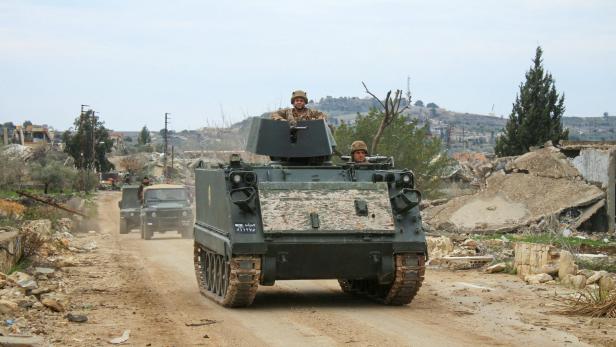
150 288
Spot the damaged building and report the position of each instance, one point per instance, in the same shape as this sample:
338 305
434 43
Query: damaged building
558 189
28 135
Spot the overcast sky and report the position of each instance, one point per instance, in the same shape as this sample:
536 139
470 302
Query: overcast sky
135 60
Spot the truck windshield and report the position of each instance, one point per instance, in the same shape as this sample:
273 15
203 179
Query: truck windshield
155 195
130 198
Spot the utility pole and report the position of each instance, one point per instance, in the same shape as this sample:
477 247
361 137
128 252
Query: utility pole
165 146
408 88
93 140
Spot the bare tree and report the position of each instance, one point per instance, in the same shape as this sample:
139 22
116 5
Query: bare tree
391 108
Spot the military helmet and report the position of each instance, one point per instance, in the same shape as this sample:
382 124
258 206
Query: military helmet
359 146
299 94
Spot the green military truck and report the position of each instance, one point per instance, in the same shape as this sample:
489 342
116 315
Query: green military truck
130 209
166 207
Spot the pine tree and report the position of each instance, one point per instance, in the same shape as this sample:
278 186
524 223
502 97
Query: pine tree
537 113
144 136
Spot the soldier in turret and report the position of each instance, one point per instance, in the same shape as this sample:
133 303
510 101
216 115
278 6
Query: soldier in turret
299 111
359 151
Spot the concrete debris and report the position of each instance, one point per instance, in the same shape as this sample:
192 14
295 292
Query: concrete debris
121 339
537 278
577 281
65 224
536 192
16 151
39 226
531 258
8 306
607 284
438 247
465 263
54 301
500 267
23 280
596 277
566 265
544 162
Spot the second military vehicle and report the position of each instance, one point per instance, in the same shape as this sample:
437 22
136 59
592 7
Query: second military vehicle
301 217
166 207
129 209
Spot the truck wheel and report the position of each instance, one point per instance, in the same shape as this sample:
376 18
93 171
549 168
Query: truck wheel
147 234
124 226
187 233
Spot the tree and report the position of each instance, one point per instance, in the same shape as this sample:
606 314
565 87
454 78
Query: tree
135 165
419 103
26 123
536 116
391 108
431 105
144 136
53 175
605 115
409 144
88 143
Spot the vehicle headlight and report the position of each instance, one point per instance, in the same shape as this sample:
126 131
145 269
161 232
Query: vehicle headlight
237 178
184 214
406 180
153 214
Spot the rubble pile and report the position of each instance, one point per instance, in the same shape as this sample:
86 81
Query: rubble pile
538 191
534 263
29 296
20 152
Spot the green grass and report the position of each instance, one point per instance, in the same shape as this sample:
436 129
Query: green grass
597 265
20 266
551 239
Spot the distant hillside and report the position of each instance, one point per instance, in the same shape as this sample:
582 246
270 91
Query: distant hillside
458 131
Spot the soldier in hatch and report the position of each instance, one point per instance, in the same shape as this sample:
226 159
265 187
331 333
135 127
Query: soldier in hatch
144 183
299 111
359 151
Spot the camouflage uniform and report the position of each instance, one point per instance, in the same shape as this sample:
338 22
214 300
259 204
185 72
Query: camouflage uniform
293 115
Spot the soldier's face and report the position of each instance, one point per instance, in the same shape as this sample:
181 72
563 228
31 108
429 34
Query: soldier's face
299 103
359 156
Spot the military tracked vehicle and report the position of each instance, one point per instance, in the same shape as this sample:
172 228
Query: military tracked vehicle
166 207
301 217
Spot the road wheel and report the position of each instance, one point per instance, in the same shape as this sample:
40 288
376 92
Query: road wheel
409 275
147 233
124 226
231 282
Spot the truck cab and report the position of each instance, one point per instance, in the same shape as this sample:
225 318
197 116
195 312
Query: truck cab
166 207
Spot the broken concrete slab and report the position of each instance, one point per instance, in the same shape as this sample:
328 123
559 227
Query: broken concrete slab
588 212
544 162
509 202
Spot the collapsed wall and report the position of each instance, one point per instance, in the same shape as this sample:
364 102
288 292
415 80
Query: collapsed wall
531 191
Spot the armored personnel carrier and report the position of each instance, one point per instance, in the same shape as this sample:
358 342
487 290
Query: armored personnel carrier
166 207
301 217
